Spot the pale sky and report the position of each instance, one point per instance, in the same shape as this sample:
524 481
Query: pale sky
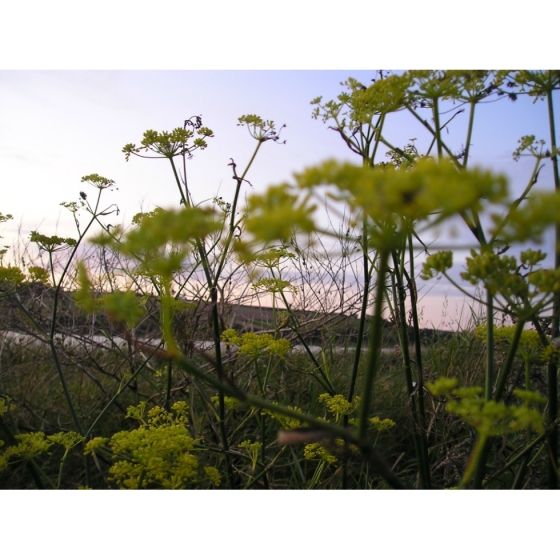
57 126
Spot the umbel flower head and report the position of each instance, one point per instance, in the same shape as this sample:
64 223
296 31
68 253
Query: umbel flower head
52 243
393 199
170 144
431 188
162 239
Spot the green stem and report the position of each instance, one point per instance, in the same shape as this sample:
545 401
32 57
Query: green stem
212 286
232 223
469 133
420 445
263 448
376 332
377 131
489 377
506 368
552 372
324 378
474 459
169 384
500 386
518 482
419 364
532 181
115 397
60 469
435 110
368 271
516 458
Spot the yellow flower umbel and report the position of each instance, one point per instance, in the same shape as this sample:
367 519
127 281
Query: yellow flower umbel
257 345
488 417
395 200
158 454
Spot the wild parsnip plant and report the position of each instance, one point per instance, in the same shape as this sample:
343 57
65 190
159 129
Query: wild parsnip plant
256 405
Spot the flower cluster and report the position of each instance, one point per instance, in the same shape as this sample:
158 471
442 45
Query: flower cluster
338 405
33 444
52 243
169 144
489 417
318 452
11 275
537 83
158 454
260 129
528 146
253 449
271 257
257 345
231 403
394 199
97 181
528 221
163 238
529 345
381 425
38 274
436 264
276 214
502 274
29 445
274 285
287 422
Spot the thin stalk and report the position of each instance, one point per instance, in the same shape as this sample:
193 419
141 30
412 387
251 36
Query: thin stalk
262 420
377 131
58 286
482 453
506 368
469 133
368 271
448 151
232 223
419 435
552 370
266 468
516 458
416 325
374 350
489 376
418 355
115 397
324 379
532 181
474 460
221 396
211 283
518 482
169 384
